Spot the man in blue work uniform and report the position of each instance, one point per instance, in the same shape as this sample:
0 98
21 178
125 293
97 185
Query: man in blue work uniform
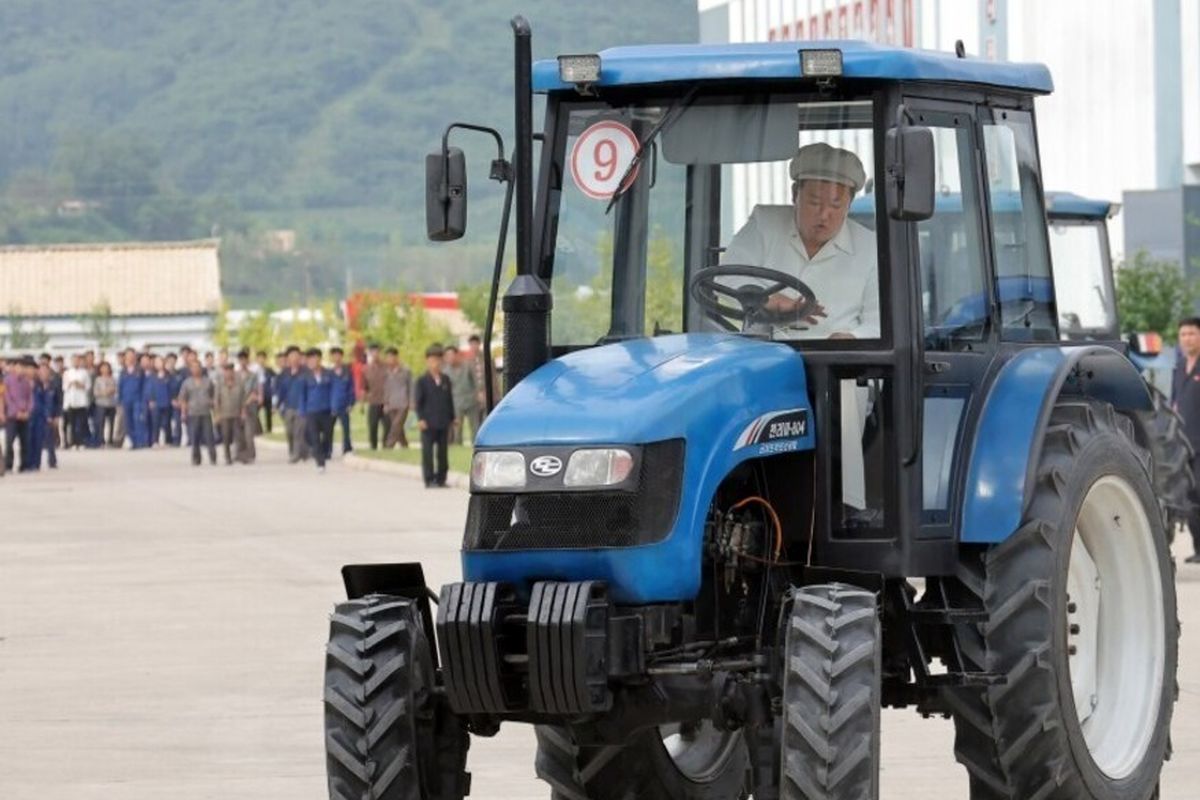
298 432
157 390
129 395
175 379
343 399
47 411
317 406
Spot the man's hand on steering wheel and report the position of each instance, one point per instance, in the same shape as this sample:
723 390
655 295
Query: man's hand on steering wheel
756 303
787 307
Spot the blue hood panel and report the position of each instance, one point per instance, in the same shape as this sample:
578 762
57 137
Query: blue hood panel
718 392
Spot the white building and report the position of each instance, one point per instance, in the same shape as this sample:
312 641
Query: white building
160 295
1125 112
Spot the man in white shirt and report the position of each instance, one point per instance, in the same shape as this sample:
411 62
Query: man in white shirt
813 240
76 385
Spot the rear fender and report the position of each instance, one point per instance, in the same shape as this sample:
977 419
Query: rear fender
1008 439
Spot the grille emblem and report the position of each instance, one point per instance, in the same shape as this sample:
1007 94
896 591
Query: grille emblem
545 466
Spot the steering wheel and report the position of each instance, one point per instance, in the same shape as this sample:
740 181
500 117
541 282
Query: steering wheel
751 298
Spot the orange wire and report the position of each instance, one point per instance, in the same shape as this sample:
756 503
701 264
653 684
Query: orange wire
774 519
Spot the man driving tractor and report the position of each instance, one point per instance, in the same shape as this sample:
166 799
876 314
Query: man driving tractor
813 240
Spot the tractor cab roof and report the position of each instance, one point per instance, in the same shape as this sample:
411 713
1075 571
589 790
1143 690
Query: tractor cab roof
1067 204
651 64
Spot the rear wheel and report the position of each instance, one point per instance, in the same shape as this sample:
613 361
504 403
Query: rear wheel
1161 432
1081 625
673 762
831 695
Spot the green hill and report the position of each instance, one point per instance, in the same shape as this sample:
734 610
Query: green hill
175 118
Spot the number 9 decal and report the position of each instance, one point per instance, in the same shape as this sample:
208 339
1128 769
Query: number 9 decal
600 156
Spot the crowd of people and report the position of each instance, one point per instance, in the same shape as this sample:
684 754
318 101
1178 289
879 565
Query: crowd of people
208 401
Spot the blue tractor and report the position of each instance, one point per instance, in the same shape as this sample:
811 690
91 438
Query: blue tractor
761 470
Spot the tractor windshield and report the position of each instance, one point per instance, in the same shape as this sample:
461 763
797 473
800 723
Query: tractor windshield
704 212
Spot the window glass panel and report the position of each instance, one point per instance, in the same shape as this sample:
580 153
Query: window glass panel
954 294
1084 304
1023 283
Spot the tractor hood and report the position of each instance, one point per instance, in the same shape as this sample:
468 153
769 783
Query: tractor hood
648 390
728 398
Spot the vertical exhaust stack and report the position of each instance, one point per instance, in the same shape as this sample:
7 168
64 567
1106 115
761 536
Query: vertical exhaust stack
527 301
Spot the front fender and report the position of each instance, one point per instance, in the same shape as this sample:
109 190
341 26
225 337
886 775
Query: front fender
1008 439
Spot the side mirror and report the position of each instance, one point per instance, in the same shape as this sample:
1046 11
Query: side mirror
446 195
908 155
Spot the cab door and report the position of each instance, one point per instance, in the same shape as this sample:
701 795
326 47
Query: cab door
957 303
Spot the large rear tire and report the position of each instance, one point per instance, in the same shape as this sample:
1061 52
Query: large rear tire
386 736
1161 432
831 695
669 763
1082 626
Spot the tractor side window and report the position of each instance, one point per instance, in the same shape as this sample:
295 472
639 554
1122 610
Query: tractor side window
954 294
1024 286
1080 259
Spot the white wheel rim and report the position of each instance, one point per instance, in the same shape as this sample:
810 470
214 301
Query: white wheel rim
1117 628
699 751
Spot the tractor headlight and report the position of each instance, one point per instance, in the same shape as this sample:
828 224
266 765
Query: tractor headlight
498 469
600 467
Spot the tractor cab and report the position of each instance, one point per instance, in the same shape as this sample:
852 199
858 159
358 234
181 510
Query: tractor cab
693 218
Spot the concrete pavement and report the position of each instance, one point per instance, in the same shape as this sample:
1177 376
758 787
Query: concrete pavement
162 629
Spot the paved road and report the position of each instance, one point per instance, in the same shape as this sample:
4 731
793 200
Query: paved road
162 627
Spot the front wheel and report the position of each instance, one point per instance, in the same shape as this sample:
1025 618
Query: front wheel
831 695
1081 625
386 735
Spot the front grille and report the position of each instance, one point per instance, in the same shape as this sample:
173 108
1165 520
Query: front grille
574 520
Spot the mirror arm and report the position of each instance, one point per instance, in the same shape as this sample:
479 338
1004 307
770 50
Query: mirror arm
489 369
501 170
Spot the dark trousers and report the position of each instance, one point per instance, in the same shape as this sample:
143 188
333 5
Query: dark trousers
16 431
1194 516
137 424
200 431
431 439
266 410
375 420
175 427
48 443
160 425
103 417
320 435
75 429
343 419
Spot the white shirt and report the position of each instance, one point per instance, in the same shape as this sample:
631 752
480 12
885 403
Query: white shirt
76 383
843 274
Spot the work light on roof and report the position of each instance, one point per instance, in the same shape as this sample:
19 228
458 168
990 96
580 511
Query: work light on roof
820 63
581 70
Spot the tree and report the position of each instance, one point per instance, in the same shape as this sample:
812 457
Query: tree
394 320
98 324
221 334
20 338
258 331
1153 295
473 302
